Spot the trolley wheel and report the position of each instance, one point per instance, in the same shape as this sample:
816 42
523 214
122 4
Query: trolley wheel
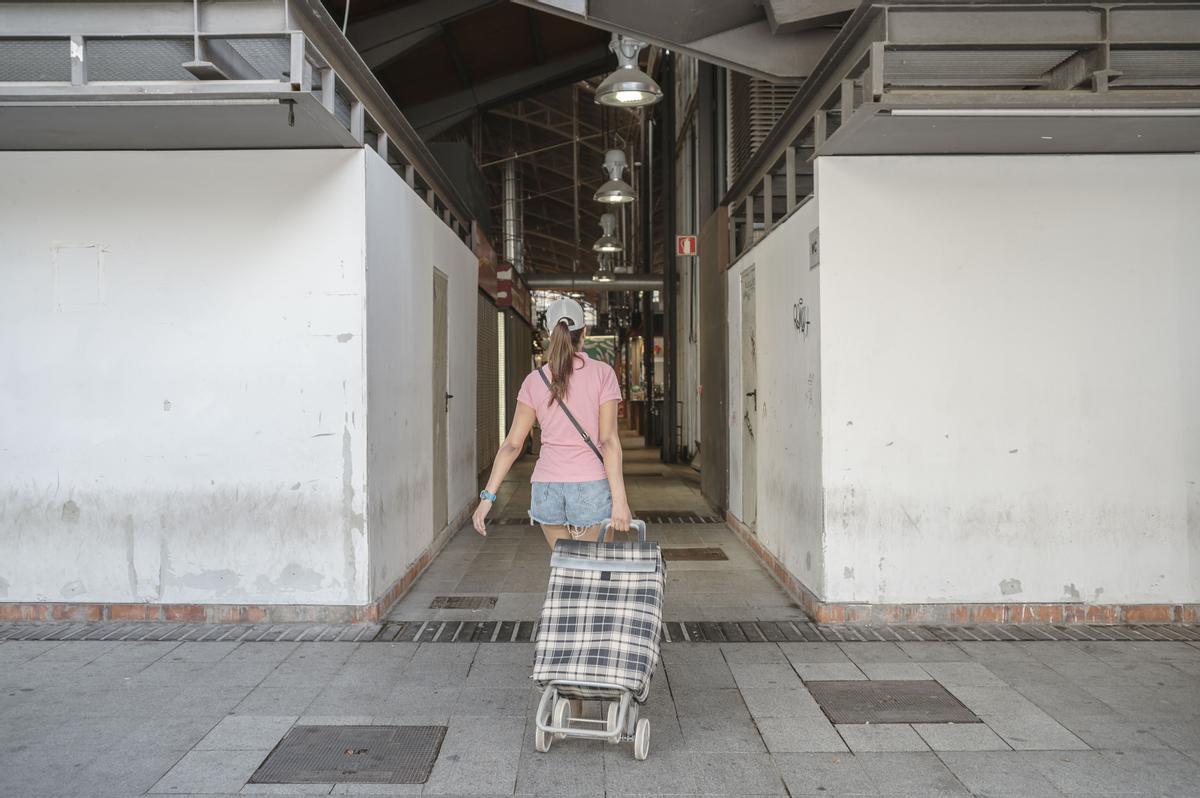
614 711
541 741
641 740
562 715
631 719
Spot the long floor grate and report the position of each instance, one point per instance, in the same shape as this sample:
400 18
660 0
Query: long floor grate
497 631
655 517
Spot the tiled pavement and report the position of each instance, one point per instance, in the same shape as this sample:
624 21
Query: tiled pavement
112 719
122 719
511 563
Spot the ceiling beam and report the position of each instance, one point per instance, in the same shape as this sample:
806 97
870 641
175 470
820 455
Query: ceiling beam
732 33
383 38
790 16
443 113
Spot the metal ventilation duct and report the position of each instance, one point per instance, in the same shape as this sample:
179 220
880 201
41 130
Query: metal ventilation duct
514 228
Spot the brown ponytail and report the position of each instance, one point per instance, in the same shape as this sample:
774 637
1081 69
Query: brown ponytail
563 345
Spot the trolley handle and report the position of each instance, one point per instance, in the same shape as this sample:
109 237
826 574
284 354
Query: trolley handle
636 524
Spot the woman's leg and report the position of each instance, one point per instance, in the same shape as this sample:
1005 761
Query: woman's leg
557 532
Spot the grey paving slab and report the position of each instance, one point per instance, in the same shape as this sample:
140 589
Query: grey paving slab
720 734
377 789
881 737
210 772
499 734
828 671
705 676
813 652
1107 772
824 774
900 671
574 768
1114 732
960 737
915 774
786 703
774 676
861 653
287 789
247 733
495 701
474 773
1001 774
741 774
664 773
277 701
799 735
1033 731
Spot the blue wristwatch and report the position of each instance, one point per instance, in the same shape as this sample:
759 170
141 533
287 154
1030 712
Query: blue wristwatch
484 494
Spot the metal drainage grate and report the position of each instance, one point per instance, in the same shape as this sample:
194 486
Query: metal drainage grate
889 702
699 553
649 516
358 754
463 603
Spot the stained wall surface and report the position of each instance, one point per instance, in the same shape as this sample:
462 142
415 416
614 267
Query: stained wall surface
182 381
1010 378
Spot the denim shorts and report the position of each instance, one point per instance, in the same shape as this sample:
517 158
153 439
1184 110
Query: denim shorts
574 503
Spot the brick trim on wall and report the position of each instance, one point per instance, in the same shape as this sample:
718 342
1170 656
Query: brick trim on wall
373 611
1066 612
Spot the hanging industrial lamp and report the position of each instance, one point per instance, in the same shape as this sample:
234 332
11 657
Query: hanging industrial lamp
607 242
616 189
627 86
604 269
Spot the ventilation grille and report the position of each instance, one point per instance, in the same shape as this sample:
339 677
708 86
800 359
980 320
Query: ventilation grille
35 60
754 106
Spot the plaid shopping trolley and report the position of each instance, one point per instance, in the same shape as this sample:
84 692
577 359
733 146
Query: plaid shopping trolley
598 638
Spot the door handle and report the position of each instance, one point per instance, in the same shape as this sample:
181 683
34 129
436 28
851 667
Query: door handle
752 393
449 396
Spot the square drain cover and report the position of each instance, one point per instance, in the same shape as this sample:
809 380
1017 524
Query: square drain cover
463 603
889 702
693 553
359 754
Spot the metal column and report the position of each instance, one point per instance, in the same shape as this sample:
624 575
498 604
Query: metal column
670 301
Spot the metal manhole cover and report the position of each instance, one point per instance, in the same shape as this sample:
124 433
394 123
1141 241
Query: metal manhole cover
358 754
693 553
463 603
889 702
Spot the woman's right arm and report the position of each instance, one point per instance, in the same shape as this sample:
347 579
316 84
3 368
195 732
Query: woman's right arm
510 450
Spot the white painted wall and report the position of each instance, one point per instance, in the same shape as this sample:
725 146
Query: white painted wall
405 243
182 377
1011 377
790 515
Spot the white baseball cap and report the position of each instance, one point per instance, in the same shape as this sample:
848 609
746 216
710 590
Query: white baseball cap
565 308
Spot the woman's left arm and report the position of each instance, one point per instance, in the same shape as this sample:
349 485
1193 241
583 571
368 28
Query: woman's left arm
610 447
506 455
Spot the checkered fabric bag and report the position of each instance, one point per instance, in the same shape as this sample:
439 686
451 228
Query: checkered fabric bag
601 624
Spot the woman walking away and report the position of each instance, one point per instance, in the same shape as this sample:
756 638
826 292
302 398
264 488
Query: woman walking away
577 481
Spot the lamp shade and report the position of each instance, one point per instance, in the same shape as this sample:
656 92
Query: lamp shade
608 242
628 86
616 190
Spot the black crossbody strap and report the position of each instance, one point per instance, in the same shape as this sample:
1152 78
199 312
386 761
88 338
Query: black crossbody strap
571 418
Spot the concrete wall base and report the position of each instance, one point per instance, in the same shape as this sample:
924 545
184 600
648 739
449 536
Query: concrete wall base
963 614
372 612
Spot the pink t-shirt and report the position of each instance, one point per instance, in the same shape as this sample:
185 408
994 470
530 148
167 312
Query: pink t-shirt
565 456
